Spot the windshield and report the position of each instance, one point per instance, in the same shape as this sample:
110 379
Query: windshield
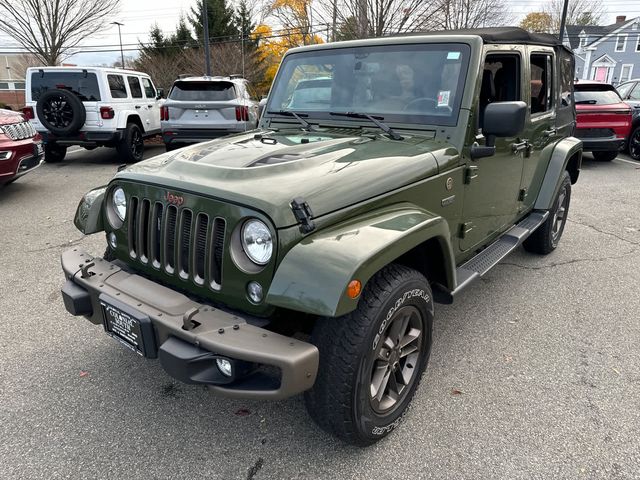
202 91
83 84
421 83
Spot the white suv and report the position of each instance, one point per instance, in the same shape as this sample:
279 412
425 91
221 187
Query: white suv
92 107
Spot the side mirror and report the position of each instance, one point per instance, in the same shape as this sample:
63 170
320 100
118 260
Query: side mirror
160 94
501 119
261 105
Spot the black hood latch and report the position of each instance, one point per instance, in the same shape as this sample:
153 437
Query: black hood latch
302 212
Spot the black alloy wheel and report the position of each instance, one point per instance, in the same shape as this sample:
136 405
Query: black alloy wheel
634 143
546 237
61 112
131 147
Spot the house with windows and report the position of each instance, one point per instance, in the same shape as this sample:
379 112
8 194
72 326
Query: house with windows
609 53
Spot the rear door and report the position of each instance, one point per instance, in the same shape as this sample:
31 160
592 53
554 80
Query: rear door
540 130
139 102
203 105
152 104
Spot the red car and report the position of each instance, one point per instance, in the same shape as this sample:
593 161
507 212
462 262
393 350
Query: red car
20 146
603 120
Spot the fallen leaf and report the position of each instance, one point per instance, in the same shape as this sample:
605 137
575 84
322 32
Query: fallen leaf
243 412
84 373
455 391
507 358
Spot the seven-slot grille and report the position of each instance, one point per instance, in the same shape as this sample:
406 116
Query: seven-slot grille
18 131
177 240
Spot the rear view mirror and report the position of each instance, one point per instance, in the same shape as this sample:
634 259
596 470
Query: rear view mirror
160 94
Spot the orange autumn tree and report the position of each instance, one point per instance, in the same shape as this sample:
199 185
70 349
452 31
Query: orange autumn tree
273 45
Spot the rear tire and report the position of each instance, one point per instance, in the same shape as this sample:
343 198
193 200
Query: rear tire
546 237
131 147
604 156
54 153
633 145
372 359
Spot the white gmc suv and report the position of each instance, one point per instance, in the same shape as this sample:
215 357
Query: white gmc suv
92 107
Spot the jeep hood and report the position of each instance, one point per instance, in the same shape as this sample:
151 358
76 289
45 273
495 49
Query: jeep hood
329 169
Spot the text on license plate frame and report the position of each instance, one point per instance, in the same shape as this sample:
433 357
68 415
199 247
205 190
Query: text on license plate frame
133 329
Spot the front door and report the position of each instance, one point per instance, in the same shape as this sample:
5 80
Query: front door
601 74
493 183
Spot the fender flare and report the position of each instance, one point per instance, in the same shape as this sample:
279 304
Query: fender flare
123 117
314 274
562 153
88 218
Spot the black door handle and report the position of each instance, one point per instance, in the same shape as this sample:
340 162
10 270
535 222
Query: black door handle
550 133
137 106
149 106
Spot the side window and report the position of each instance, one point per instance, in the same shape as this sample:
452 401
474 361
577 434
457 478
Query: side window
500 80
541 83
635 93
134 86
623 90
566 81
149 91
116 86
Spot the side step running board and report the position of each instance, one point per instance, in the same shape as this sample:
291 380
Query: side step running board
484 261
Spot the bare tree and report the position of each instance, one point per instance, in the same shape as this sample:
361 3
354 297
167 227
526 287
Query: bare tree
50 29
579 12
377 18
459 14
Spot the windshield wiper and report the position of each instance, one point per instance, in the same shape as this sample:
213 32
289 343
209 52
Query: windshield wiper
298 116
375 119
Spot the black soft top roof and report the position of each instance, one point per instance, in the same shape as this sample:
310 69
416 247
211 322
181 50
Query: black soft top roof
507 35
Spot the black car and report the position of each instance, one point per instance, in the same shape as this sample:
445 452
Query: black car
630 93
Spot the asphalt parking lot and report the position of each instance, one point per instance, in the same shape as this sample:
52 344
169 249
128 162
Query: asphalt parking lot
534 372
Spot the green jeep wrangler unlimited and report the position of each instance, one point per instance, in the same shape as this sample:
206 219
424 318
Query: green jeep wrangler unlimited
306 256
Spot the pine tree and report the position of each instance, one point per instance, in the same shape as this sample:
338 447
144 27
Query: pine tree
221 21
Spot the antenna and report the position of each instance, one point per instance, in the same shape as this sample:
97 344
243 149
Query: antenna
244 97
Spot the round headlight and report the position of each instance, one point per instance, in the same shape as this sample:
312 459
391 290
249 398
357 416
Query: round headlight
257 241
119 203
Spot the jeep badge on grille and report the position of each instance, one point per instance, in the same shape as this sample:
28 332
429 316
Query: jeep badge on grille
174 199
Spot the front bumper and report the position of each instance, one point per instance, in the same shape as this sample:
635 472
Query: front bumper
23 160
190 336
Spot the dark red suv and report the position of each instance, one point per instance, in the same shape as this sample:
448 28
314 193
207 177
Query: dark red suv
603 120
20 146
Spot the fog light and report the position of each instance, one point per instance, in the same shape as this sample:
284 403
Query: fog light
113 242
254 290
224 366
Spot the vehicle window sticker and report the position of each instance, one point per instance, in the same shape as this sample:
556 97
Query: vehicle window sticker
443 98
453 55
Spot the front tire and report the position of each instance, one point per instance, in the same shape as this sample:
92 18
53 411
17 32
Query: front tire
54 153
372 359
605 156
634 144
131 147
546 237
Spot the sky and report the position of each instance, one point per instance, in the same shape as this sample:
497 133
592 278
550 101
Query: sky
139 15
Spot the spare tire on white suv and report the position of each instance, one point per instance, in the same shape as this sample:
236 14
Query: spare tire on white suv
92 107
